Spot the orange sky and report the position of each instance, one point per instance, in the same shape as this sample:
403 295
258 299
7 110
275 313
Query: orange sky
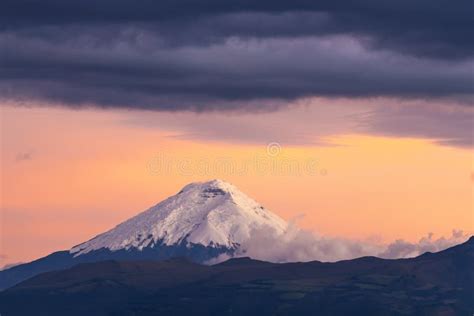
68 175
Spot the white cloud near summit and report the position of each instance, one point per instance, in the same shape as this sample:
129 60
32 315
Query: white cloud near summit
298 245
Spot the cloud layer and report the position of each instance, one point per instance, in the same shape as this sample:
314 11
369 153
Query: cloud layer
426 27
298 245
211 55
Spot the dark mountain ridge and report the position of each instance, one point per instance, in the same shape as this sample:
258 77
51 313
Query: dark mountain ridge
432 284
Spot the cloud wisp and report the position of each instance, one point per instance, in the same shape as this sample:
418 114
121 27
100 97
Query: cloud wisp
315 121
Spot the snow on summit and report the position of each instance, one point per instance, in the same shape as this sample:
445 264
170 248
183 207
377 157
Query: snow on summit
212 214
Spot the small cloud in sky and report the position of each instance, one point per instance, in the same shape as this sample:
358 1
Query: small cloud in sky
24 156
403 249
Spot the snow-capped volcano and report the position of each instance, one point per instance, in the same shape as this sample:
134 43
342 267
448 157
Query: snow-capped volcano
212 214
201 222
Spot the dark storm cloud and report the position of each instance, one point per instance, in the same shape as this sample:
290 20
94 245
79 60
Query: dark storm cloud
145 74
206 55
424 27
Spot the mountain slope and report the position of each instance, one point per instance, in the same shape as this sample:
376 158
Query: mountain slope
432 284
201 222
213 213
